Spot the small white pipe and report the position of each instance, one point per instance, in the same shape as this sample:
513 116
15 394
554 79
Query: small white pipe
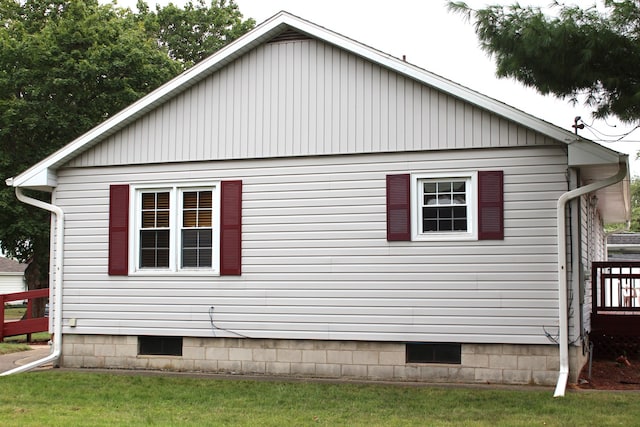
563 321
57 307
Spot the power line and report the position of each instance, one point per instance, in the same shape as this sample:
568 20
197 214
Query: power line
599 134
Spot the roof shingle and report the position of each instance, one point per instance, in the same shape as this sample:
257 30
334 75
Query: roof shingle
10 266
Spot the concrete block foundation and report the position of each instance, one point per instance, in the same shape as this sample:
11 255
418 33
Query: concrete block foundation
480 363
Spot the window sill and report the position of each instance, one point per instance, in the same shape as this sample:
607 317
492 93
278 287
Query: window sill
182 273
444 237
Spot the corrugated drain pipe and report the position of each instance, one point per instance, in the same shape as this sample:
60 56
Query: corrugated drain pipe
57 306
563 321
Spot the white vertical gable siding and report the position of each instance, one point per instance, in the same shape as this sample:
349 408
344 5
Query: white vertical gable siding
304 98
316 263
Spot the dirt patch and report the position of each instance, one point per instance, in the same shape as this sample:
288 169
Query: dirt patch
621 374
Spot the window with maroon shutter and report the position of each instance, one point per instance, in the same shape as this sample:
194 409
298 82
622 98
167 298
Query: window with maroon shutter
119 230
176 228
231 228
460 206
490 205
398 207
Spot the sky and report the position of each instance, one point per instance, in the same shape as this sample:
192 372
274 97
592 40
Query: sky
443 43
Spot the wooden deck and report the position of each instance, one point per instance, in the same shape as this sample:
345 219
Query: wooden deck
616 299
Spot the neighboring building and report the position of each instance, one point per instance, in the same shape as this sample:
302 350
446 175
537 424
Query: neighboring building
302 204
623 247
11 276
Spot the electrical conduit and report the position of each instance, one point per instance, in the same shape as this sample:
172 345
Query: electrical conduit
57 306
563 321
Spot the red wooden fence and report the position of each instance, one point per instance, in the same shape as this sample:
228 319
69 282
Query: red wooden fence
28 325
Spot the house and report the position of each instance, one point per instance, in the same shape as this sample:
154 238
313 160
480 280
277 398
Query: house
11 277
301 204
623 246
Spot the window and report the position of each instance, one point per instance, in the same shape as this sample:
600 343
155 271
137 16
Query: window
154 233
444 207
462 206
176 229
181 228
197 215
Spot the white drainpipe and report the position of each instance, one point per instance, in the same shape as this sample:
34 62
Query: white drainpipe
57 306
563 322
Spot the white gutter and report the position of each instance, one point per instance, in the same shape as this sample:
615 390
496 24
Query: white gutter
57 306
563 322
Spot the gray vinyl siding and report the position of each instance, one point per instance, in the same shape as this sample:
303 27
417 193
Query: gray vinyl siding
316 262
304 98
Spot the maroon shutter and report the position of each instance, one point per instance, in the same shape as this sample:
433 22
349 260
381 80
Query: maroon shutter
398 207
231 228
490 205
119 230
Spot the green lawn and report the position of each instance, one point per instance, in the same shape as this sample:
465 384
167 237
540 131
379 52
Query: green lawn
6 348
13 312
59 398
40 337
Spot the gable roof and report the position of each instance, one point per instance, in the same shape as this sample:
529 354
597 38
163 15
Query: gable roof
9 266
624 246
624 239
42 175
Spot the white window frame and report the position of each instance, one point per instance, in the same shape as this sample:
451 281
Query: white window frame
471 178
175 226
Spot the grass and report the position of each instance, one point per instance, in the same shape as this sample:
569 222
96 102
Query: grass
19 342
14 313
42 337
62 398
6 348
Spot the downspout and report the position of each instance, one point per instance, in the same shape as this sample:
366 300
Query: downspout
563 321
57 307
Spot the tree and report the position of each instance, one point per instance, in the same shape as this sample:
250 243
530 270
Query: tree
578 52
635 205
195 32
65 66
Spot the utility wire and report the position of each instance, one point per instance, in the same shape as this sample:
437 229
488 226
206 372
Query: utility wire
213 325
617 137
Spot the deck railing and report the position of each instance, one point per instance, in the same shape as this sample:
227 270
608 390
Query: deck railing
616 287
28 324
615 319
